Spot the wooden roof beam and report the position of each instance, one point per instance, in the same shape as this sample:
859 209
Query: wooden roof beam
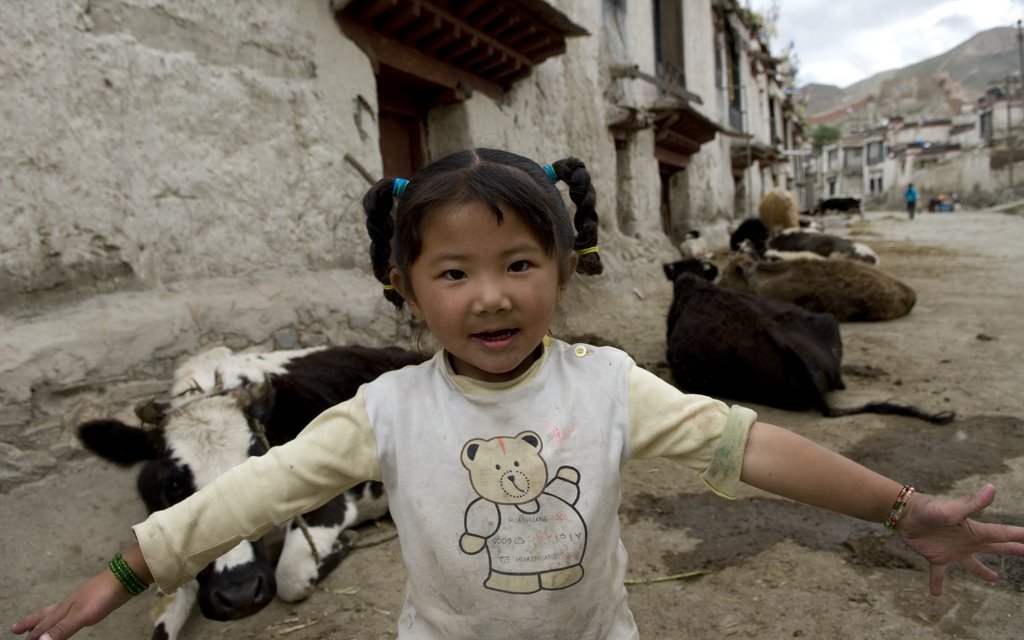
482 17
371 9
426 26
458 48
463 27
386 51
403 19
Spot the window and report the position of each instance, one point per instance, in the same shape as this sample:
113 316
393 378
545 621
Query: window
985 127
668 41
876 152
851 157
732 79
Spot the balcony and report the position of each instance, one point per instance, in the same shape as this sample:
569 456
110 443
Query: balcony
485 44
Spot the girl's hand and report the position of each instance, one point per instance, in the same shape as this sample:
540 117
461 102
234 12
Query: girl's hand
86 606
940 529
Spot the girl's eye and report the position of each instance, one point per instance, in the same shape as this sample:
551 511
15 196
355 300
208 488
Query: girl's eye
518 266
454 274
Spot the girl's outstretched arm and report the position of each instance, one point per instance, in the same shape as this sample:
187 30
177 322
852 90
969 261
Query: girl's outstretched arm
87 605
940 529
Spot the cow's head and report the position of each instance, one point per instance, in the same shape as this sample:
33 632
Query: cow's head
204 430
185 444
738 272
700 267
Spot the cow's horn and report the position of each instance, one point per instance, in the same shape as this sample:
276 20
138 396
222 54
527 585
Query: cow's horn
253 393
152 412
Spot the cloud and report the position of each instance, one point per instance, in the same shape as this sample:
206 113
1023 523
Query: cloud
957 23
850 41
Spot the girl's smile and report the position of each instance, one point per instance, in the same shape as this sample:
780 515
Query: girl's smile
486 290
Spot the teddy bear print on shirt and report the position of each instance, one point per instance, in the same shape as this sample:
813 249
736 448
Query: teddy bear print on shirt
534 536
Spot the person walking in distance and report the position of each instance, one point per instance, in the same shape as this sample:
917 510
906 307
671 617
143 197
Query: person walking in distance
910 197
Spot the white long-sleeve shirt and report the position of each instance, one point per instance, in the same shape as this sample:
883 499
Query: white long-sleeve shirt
505 495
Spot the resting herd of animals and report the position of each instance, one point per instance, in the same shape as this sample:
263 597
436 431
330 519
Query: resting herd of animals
764 330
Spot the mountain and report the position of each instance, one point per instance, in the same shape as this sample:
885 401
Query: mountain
934 88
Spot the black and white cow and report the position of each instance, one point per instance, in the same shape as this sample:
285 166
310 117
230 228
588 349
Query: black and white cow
736 345
751 233
842 204
694 246
223 408
793 243
797 242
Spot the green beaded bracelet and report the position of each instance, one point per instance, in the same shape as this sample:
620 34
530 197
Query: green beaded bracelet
124 574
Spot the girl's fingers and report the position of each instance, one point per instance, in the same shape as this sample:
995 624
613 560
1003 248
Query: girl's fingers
59 629
936 573
26 623
31 621
1004 548
979 569
55 623
1009 535
975 502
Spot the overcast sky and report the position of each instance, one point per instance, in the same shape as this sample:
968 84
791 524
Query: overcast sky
842 42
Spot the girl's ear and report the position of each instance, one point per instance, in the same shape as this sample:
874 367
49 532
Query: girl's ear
401 286
566 276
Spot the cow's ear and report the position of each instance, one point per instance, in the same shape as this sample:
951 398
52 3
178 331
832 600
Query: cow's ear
118 442
152 412
741 266
256 399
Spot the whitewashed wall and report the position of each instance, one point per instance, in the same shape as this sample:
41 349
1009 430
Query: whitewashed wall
158 141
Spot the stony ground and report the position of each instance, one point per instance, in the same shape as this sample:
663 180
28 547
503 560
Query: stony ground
701 567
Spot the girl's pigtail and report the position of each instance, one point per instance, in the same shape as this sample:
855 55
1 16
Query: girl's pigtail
377 203
573 172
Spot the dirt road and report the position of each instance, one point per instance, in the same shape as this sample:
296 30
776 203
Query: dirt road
761 567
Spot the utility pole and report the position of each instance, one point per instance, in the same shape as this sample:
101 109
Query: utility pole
1020 49
745 105
1010 146
1020 88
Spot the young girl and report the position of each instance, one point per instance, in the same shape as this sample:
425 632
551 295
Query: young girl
502 455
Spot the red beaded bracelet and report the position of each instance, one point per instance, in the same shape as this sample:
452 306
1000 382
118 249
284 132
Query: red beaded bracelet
899 508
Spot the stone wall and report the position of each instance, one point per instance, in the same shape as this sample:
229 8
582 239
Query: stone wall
155 142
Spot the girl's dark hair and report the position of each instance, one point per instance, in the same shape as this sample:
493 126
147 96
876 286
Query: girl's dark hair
499 179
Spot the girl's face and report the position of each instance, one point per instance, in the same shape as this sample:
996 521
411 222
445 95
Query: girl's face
486 291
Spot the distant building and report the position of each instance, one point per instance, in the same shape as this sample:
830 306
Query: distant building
968 153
